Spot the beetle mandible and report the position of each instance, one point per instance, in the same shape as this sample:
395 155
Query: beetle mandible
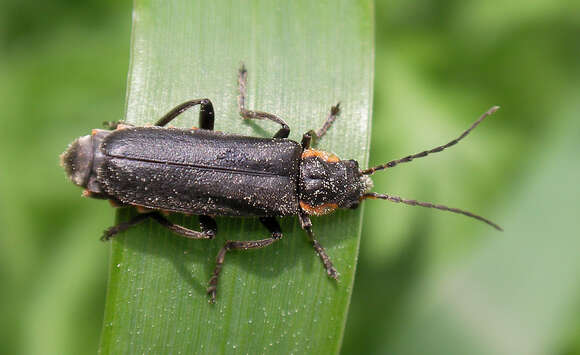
206 173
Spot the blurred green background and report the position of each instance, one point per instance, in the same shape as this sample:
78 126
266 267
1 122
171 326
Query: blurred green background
427 282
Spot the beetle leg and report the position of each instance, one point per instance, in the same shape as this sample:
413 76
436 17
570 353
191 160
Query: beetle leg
206 116
121 227
276 233
283 132
306 140
206 113
207 224
306 224
332 116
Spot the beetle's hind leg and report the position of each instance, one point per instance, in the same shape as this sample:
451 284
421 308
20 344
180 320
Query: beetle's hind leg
207 225
206 113
275 234
317 135
306 224
283 132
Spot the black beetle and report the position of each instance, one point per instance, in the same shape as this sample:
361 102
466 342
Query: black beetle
208 173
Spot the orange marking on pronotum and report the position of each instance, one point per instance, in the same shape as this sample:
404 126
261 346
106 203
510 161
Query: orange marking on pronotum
328 157
318 210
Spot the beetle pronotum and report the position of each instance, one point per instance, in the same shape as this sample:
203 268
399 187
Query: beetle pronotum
208 173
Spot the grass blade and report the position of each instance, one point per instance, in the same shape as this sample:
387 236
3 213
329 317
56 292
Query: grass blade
302 57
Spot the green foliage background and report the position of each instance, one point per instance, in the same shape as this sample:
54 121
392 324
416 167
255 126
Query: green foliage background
426 280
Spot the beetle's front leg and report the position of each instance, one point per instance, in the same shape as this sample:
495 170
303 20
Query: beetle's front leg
306 140
317 135
207 225
306 224
276 234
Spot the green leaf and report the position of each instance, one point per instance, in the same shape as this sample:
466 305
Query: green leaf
302 57
517 293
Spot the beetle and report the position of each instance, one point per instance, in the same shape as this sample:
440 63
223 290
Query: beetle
202 172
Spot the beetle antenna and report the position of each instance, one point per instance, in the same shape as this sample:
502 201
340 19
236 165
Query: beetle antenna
397 199
438 149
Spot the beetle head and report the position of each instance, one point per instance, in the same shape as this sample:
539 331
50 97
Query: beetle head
327 183
77 160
